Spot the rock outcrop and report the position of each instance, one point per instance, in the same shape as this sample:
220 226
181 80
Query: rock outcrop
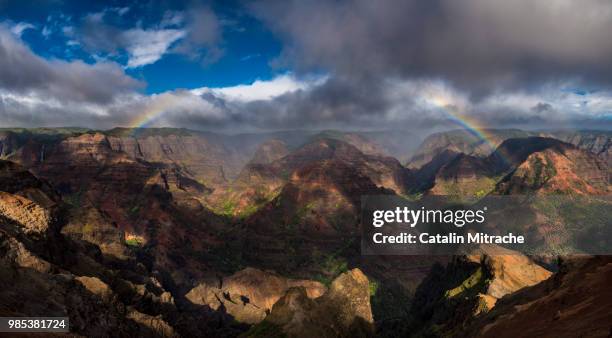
31 281
249 294
26 200
572 303
44 273
451 297
343 311
507 272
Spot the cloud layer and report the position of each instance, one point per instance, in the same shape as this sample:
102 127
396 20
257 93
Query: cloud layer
356 64
474 44
23 72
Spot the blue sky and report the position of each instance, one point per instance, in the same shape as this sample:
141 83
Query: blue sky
283 64
246 46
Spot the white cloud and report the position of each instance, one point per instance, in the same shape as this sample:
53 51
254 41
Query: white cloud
172 19
46 32
250 56
437 100
262 90
20 27
122 10
68 30
143 45
147 46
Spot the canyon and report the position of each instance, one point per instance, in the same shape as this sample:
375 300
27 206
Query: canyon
173 232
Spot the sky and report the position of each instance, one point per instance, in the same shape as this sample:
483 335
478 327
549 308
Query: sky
277 65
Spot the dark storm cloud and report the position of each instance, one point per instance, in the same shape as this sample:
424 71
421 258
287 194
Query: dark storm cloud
204 34
476 44
97 36
14 113
23 72
319 104
542 108
336 101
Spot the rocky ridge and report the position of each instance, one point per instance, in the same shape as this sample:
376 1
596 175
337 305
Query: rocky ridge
343 311
568 304
451 297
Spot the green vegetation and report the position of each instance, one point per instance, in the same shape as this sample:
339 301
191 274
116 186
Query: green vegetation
331 264
335 266
261 198
134 242
472 281
390 302
285 174
480 193
302 213
580 220
74 199
412 197
264 329
228 208
341 218
134 210
249 210
481 306
471 189
226 259
373 287
541 172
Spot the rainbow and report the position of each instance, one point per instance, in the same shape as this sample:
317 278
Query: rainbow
158 105
468 123
161 103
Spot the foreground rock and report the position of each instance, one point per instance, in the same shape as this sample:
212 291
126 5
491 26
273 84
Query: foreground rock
44 273
574 302
343 311
30 283
27 202
451 297
249 294
508 272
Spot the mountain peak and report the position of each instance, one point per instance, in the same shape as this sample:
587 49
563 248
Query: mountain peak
514 151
